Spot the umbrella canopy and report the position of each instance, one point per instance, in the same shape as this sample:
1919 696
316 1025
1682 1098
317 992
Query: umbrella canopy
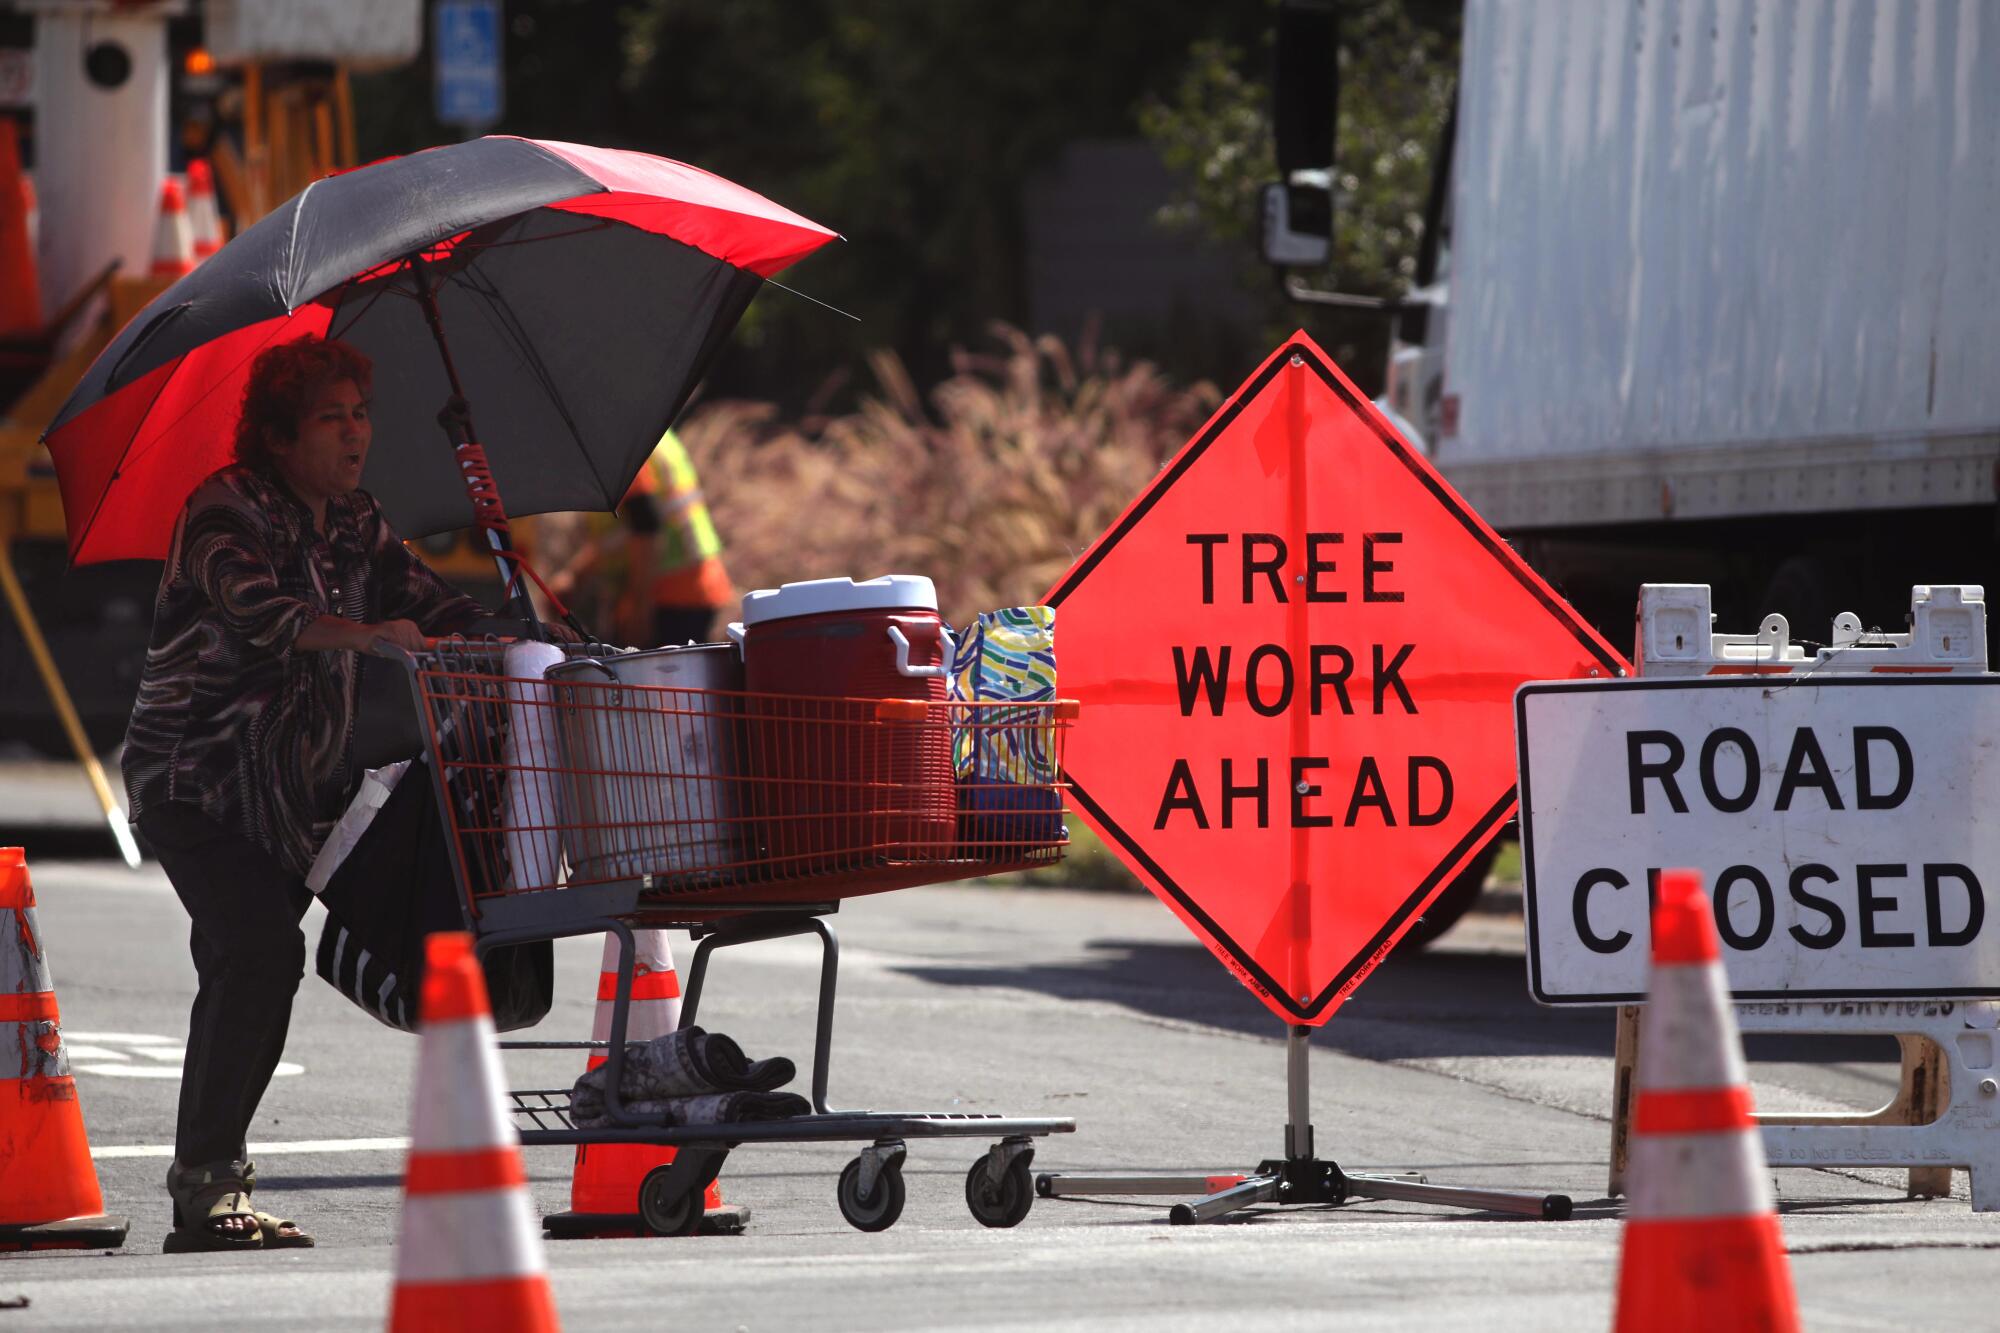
585 291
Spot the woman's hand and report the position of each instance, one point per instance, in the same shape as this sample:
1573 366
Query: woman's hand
403 634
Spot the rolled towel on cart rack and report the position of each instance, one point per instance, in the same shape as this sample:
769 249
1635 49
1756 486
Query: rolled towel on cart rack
687 1065
713 1108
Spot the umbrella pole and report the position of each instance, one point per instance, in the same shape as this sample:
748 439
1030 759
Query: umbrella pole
456 418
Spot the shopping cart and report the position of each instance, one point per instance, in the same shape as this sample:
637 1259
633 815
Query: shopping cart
586 805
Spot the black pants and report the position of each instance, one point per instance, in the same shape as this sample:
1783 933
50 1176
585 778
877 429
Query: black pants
249 955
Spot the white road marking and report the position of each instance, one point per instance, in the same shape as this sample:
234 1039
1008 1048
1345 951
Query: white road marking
285 1069
89 1050
315 1146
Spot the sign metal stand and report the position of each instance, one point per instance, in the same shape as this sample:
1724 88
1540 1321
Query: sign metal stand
1299 1177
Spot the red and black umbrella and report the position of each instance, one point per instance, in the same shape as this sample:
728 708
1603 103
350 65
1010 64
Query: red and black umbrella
586 291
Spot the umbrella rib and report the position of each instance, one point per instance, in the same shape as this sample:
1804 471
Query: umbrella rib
124 458
814 299
510 324
384 289
481 247
292 247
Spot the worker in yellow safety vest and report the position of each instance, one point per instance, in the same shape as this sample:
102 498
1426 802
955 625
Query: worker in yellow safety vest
667 570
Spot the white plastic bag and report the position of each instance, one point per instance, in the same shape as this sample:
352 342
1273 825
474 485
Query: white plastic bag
376 784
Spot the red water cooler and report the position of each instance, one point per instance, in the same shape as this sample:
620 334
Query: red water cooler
841 787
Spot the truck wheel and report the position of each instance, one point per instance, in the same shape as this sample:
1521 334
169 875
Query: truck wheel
1453 903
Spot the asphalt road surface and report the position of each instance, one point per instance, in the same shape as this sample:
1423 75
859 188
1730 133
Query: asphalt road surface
976 998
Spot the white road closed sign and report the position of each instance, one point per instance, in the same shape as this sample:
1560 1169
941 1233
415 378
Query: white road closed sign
1845 828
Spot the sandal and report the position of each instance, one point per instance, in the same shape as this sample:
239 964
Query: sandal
273 1229
275 1236
215 1202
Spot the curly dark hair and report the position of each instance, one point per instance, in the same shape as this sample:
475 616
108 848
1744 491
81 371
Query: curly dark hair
284 380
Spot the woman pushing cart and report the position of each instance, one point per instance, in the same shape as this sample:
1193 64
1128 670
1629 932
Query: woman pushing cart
528 252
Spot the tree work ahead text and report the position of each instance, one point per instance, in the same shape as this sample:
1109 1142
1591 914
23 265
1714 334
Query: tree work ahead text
1271 679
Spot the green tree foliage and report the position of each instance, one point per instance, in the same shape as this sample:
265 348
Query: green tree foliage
909 126
1397 65
912 127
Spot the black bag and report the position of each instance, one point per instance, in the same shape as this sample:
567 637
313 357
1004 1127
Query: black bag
386 727
395 888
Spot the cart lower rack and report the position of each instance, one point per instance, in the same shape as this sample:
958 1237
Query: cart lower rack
578 806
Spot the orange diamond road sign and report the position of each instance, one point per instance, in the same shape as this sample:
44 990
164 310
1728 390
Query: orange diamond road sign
1297 655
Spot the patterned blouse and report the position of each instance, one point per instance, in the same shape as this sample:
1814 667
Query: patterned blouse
229 717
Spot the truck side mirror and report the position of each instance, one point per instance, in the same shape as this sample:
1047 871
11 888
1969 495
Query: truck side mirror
1296 225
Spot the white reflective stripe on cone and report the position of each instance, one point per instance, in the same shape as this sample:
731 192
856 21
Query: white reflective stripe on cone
458 1089
1698 1175
24 969
650 947
35 1061
477 1234
1688 1037
644 1020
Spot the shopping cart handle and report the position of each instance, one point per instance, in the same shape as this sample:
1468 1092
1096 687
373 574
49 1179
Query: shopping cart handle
397 653
902 642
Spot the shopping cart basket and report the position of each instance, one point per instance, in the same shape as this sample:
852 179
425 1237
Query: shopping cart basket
582 806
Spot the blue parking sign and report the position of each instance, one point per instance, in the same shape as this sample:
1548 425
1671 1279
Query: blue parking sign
467 62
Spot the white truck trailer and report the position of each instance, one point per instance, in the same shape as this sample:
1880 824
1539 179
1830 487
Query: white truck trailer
1714 297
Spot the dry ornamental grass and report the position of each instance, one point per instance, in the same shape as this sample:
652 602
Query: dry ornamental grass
992 486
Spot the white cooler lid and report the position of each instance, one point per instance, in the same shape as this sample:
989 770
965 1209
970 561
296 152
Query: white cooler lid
816 596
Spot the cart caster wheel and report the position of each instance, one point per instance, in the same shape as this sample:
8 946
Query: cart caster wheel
1005 1205
878 1211
1045 1185
665 1214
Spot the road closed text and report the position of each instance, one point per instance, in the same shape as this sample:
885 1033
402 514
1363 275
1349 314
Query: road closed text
1865 904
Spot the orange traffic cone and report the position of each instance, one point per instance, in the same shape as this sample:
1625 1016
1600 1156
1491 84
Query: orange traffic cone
1702 1244
48 1187
173 235
203 217
604 1184
20 291
467 1256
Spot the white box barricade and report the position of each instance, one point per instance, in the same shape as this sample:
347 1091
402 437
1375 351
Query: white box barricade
1810 783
